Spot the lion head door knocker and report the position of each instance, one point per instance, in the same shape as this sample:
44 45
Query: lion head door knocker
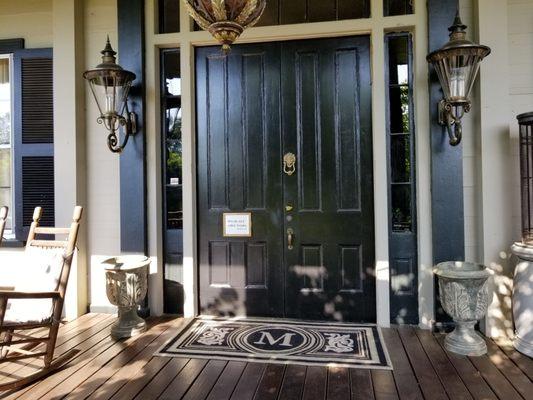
289 163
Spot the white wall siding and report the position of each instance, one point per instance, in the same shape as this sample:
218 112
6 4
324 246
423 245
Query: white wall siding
520 17
103 177
30 19
470 156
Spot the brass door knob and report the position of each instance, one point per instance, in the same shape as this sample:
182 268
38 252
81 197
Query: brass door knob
290 238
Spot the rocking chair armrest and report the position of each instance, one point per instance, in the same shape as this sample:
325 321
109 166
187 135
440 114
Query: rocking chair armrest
10 294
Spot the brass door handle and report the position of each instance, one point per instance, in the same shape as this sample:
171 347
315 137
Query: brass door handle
290 238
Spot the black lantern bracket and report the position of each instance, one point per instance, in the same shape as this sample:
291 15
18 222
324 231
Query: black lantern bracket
450 116
113 124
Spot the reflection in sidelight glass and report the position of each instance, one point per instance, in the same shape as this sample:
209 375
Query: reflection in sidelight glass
169 16
6 193
171 101
172 179
400 129
398 7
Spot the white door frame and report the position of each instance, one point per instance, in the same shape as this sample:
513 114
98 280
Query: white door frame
376 27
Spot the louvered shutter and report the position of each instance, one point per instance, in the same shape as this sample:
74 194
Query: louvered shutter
33 137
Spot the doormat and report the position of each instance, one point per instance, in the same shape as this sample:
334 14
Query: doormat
281 342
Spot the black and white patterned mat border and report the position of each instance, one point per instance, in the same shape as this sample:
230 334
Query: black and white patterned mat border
280 341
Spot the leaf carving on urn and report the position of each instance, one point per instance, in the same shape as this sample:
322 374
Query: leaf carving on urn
126 289
482 301
465 300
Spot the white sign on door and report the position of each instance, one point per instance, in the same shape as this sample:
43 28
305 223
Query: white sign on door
237 224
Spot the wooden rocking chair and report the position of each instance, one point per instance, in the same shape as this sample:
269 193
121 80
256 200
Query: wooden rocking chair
3 220
36 300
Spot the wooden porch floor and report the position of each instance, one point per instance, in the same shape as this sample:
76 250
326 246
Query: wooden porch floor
107 369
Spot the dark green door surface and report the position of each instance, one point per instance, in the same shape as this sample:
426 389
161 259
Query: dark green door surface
311 98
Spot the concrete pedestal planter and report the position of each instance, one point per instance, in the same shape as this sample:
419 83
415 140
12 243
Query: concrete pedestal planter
523 299
464 294
126 286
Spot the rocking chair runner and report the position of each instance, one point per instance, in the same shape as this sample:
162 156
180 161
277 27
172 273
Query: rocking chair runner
3 220
46 267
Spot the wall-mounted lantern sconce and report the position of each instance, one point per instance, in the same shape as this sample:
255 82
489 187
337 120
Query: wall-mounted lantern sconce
110 85
457 65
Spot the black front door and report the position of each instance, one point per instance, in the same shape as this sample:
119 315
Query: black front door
311 253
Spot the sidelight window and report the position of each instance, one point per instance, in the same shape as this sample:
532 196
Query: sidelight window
402 189
172 177
400 134
6 178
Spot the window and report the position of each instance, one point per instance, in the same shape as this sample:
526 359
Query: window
6 156
172 179
169 16
401 172
402 189
398 7
280 12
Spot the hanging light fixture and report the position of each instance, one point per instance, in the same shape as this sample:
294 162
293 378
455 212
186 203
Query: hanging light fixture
225 19
457 65
110 85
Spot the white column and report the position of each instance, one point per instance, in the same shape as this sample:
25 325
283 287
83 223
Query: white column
69 138
426 294
496 169
379 143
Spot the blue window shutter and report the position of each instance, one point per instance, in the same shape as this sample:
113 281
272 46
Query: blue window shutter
33 131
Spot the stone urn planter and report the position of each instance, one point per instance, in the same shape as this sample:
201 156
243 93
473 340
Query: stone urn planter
464 293
523 299
126 287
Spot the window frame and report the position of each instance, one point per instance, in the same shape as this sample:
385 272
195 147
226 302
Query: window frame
9 233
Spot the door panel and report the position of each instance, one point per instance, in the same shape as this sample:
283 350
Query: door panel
326 123
238 158
310 98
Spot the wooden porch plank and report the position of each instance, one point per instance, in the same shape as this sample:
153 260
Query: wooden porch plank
63 382
138 382
270 383
93 333
247 384
135 367
227 381
78 326
66 333
520 382
496 380
338 383
315 383
522 361
85 381
89 350
361 384
383 383
181 383
471 377
153 379
404 377
452 383
293 382
203 384
427 377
